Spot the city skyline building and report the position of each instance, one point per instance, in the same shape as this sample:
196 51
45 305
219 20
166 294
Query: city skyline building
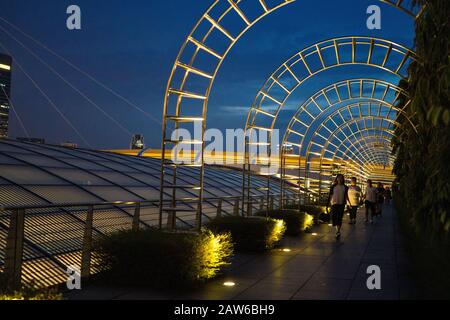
5 92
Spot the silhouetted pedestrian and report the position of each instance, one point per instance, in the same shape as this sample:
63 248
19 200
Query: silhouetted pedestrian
388 195
370 201
380 200
354 196
338 198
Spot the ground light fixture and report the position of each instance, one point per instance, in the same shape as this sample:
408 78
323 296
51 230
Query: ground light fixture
287 250
229 284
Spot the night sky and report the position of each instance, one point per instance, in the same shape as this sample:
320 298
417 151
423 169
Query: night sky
130 46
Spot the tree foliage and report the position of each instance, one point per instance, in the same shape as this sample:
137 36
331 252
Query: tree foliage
422 166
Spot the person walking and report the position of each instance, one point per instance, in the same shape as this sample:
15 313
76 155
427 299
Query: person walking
380 199
354 197
338 197
388 195
370 202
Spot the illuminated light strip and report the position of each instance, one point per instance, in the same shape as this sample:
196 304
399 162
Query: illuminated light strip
296 133
319 52
187 94
264 5
292 73
265 113
5 67
239 12
219 27
271 98
280 84
305 63
194 70
205 48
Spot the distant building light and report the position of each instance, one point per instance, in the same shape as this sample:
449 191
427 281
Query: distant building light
287 250
137 142
69 145
5 67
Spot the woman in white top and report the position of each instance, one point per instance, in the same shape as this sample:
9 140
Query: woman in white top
371 200
338 198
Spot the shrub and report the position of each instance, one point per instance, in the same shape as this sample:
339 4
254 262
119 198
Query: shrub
26 292
318 212
162 259
296 221
250 234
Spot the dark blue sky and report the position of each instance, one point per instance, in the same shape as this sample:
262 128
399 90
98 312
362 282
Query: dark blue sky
131 45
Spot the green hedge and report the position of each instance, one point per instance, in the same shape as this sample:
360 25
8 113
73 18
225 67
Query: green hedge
160 259
296 221
250 234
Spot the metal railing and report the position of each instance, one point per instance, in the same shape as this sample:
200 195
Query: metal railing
38 243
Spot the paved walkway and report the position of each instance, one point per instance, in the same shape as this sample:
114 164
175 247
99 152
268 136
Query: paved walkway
317 267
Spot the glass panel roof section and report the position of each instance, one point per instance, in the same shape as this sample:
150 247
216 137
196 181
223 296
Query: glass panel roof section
55 174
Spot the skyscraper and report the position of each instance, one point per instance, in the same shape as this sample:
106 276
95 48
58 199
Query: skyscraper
5 89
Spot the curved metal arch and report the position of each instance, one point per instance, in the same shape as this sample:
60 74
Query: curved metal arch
367 154
333 135
363 168
339 129
350 150
330 140
345 154
187 67
327 99
361 172
363 137
357 137
332 96
276 89
348 110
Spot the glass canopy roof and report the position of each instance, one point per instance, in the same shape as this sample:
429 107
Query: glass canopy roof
35 174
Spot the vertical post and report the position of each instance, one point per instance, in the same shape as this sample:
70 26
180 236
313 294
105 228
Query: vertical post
249 207
87 244
14 248
271 200
236 207
199 217
261 204
171 218
219 208
136 217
